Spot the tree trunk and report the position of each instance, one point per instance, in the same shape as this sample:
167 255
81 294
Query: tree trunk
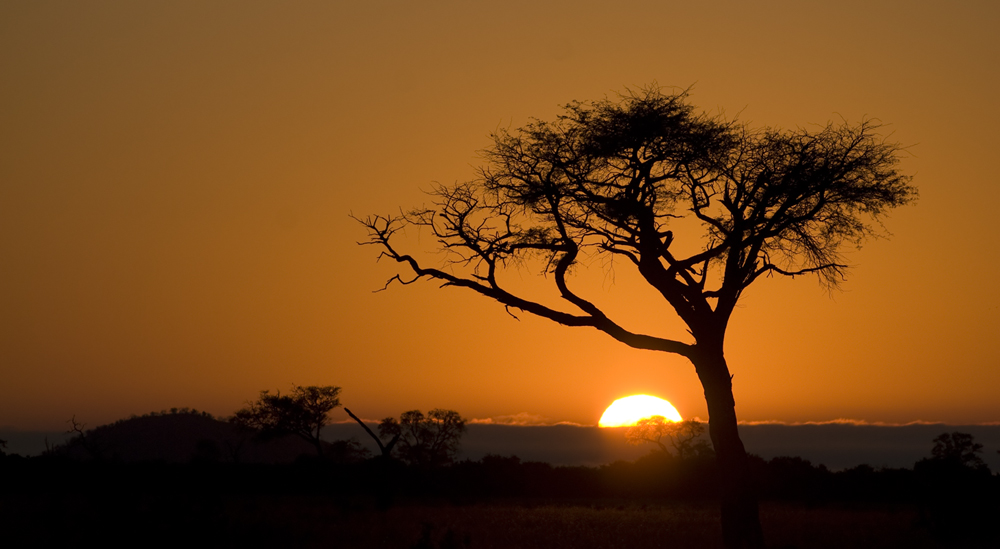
740 518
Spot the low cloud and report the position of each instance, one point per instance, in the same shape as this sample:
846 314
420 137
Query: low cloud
523 418
847 421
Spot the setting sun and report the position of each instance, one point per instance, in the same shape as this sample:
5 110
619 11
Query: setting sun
629 410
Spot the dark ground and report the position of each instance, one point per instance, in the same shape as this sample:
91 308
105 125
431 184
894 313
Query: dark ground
188 480
492 503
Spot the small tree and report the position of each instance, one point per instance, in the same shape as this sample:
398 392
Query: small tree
958 449
303 413
684 436
84 438
427 441
956 492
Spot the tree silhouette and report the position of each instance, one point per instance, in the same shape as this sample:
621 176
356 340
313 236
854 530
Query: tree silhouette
959 449
303 412
85 439
957 499
426 441
683 436
611 179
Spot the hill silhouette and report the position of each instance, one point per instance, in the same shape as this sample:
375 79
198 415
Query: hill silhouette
184 436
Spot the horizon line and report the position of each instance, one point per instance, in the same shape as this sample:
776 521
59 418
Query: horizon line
513 421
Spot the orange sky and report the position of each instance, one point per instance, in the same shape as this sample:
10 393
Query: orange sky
176 179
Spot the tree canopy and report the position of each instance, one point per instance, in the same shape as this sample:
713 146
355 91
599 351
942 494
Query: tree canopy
959 449
684 436
303 412
610 177
425 440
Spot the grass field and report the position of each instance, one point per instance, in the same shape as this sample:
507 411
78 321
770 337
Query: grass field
314 521
611 524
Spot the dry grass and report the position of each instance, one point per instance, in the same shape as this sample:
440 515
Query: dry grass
323 522
831 527
549 526
582 525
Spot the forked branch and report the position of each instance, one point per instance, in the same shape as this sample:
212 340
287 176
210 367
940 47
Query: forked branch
381 229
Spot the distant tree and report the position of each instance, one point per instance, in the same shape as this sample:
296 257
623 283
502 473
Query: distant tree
303 413
684 436
430 440
607 182
959 449
85 439
957 492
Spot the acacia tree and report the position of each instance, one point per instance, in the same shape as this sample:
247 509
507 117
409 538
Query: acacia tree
683 436
958 449
609 178
425 440
303 413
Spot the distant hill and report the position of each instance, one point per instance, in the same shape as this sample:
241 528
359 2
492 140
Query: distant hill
182 437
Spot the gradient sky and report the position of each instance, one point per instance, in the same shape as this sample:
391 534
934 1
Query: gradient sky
176 180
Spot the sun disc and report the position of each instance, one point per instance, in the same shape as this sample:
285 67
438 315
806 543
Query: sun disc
629 410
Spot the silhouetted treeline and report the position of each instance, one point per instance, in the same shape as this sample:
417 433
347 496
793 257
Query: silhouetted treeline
652 476
58 492
186 445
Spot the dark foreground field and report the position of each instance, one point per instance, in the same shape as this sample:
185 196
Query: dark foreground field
313 521
496 502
